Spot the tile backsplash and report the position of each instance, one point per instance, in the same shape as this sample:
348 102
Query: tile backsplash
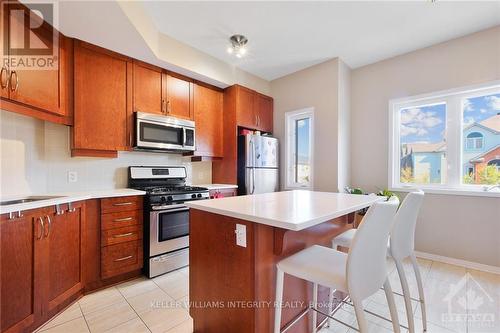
35 158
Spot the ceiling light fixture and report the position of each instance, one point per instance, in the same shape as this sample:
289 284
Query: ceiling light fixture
238 45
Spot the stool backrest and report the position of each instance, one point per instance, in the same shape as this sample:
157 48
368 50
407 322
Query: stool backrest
402 238
366 261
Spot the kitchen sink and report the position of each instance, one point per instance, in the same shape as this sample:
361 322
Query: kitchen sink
27 199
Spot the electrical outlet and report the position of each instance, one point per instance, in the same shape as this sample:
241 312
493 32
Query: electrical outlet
72 176
241 235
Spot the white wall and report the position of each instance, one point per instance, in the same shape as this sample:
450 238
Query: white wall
128 29
344 126
35 158
461 227
315 87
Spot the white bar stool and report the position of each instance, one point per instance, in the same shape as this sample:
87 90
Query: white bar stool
400 246
361 273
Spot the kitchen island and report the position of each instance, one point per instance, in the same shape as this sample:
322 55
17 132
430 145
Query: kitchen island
235 244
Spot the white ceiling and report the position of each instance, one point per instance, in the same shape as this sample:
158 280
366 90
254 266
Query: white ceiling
288 36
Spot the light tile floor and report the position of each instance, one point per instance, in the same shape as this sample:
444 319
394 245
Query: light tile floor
144 305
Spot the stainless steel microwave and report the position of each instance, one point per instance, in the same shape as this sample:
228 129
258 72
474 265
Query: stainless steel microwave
163 133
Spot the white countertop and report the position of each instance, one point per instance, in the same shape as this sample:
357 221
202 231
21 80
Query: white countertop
217 186
67 197
292 210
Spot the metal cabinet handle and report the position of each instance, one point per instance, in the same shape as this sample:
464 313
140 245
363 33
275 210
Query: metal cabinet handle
123 219
49 226
71 209
124 235
123 258
13 88
41 223
168 107
123 204
7 77
163 106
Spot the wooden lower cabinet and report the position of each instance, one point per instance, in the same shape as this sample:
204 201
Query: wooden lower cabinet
40 265
62 257
49 259
121 235
20 272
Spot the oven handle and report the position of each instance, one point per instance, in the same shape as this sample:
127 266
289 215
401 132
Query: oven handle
171 210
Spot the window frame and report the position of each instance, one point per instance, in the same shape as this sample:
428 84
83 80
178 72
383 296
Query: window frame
455 140
290 129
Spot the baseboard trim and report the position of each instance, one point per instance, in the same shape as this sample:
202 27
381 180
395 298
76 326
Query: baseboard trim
459 262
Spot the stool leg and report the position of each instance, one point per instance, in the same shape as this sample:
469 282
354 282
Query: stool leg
330 306
279 299
360 315
416 269
315 304
406 294
392 306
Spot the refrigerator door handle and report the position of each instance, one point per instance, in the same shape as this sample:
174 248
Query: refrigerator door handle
252 145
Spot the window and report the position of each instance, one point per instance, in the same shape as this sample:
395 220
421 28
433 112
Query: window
474 141
446 141
299 148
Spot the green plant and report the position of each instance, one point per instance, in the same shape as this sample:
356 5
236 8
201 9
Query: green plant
353 190
386 193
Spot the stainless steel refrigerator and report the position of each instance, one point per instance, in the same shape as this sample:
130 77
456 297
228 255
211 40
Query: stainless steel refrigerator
257 164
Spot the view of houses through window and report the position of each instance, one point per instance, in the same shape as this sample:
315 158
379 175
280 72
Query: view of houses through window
299 148
481 135
423 144
425 133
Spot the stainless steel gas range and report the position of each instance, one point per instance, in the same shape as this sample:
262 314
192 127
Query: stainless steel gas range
166 217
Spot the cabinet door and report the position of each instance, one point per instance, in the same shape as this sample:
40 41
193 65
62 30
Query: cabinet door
208 118
179 97
43 87
63 255
245 112
148 89
102 107
264 111
20 298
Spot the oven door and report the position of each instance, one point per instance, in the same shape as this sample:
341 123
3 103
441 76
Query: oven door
169 230
156 135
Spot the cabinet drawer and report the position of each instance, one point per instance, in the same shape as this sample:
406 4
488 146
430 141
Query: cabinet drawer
121 258
121 204
121 235
121 219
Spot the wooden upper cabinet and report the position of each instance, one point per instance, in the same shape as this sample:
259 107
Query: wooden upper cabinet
245 111
179 97
103 102
253 110
149 95
43 89
208 117
263 108
20 272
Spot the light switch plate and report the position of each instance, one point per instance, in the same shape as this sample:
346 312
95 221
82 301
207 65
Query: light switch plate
241 235
72 176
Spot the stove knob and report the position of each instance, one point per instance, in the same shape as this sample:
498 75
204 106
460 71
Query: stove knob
163 199
199 195
169 198
193 196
